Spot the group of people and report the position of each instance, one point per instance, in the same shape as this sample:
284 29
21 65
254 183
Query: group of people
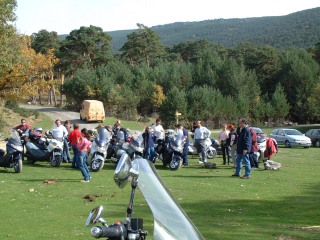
240 143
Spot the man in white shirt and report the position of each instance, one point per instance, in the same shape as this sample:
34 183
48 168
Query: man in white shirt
158 130
200 135
59 132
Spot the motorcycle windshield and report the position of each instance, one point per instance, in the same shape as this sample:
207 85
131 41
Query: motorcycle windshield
137 142
170 221
102 137
14 137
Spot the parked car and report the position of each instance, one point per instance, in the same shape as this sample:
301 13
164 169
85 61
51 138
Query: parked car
290 138
259 132
314 135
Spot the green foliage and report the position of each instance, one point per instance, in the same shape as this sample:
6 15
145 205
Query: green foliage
43 41
85 46
142 46
300 29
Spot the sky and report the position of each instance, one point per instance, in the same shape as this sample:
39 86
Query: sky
63 16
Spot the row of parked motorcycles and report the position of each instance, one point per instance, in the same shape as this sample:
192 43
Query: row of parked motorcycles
105 145
168 150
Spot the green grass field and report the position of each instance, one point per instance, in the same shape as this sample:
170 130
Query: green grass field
282 204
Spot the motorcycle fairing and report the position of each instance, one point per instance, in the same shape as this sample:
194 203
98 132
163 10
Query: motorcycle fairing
170 221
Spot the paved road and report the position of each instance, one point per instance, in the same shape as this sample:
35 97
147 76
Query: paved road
59 113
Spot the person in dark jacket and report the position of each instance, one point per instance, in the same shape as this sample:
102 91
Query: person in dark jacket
243 149
149 140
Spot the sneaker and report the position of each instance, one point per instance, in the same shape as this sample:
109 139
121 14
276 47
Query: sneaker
201 161
85 181
235 175
245 177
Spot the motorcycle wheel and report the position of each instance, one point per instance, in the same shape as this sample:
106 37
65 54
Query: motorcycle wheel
211 153
96 165
175 163
56 161
18 166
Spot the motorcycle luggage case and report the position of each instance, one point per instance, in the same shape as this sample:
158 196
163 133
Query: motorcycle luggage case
2 152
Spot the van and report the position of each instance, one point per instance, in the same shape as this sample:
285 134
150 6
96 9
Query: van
92 110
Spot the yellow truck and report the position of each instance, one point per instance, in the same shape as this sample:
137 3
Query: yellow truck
92 110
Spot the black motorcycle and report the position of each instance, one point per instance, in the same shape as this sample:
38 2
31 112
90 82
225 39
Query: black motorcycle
36 146
13 157
172 151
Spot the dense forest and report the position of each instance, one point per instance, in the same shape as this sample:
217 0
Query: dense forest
199 78
300 29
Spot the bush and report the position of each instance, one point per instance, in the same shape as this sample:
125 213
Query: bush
11 104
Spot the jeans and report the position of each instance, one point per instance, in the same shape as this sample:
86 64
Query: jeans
150 154
254 159
83 166
75 156
185 155
245 160
233 154
66 152
201 149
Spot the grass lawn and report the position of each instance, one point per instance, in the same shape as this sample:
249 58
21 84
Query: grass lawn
282 204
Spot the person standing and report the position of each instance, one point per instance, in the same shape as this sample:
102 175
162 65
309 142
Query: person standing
82 145
222 138
59 131
73 138
232 143
193 128
243 149
200 135
66 153
158 130
254 149
149 140
183 133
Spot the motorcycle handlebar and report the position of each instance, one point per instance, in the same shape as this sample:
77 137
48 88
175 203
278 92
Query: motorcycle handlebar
114 231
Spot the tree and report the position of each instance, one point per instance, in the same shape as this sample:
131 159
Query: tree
279 103
175 101
87 45
43 41
143 45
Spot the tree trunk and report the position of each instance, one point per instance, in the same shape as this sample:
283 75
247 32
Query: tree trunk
40 97
54 97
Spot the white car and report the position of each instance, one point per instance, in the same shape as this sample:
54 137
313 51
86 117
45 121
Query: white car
290 138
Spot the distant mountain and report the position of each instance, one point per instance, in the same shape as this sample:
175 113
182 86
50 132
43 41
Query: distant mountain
300 29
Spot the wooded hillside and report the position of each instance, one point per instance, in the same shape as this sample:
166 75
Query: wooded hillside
300 29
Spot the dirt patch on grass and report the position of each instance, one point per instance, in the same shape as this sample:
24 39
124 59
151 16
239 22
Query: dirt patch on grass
93 197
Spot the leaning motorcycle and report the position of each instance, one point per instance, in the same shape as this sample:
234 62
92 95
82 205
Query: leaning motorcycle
170 221
13 156
172 152
98 152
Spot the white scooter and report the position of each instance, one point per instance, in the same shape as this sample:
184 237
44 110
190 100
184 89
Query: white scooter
170 221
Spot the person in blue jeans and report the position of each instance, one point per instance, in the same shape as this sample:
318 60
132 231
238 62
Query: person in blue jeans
149 140
83 145
243 149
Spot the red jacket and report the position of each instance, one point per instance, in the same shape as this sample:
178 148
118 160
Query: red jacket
254 145
74 136
272 147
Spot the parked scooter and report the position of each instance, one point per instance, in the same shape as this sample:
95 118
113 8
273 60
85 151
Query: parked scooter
98 152
134 148
172 151
13 157
170 221
211 151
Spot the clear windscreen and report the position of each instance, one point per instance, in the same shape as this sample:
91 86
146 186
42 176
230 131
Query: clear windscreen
170 221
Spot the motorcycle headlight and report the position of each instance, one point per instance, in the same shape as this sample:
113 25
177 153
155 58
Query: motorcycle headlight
177 148
17 147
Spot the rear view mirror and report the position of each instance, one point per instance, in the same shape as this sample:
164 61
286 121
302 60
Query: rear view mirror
94 215
122 172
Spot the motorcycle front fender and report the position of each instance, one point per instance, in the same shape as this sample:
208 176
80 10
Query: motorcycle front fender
98 157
